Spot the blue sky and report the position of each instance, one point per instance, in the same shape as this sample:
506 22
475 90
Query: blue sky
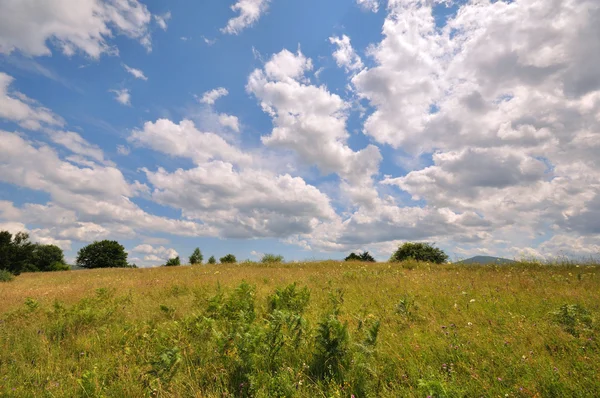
332 127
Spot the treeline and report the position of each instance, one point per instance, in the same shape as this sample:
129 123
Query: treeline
18 254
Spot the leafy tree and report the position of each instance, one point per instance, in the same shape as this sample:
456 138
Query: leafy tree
173 262
48 258
16 252
212 260
196 257
228 259
103 254
364 256
419 252
271 258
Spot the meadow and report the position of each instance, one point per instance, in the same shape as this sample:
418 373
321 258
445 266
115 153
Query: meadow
315 329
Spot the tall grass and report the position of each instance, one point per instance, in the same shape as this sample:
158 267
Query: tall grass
324 329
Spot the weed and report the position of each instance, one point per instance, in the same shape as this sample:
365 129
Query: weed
574 318
6 276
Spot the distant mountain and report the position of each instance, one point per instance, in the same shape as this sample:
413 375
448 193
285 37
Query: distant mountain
486 260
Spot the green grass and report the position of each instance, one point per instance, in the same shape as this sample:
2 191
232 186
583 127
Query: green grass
326 329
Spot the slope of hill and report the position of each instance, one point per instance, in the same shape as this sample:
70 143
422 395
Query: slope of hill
322 329
486 260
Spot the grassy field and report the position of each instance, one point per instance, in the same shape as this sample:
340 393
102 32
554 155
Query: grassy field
343 330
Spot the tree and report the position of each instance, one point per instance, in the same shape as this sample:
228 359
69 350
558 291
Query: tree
364 256
419 252
271 258
196 257
228 259
16 252
48 258
212 260
173 262
103 254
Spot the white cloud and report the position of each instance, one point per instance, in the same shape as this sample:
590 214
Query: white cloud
161 20
250 11
123 150
161 252
311 121
138 74
85 202
77 144
20 109
84 25
498 96
345 56
123 96
210 97
185 140
370 5
242 204
230 122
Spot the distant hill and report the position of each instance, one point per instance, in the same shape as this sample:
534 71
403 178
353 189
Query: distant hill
486 260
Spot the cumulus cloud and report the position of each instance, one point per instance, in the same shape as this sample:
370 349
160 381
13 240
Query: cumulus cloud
230 122
18 108
77 144
370 5
158 253
497 97
185 140
210 97
345 56
308 119
161 20
85 202
138 74
122 96
249 12
84 25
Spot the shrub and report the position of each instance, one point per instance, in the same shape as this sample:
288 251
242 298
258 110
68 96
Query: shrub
228 259
271 258
103 254
365 256
419 252
173 262
212 260
58 266
6 276
196 257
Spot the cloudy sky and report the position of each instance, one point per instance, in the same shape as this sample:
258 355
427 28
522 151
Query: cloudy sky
305 128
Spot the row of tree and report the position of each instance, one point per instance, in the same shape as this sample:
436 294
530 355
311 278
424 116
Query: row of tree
408 251
18 254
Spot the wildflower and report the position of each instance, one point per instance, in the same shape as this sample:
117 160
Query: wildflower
472 301
499 378
470 324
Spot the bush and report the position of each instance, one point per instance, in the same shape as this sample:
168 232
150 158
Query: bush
103 254
173 262
228 259
212 260
271 258
6 276
365 257
196 257
419 252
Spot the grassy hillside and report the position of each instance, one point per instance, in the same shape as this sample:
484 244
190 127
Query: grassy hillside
344 329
